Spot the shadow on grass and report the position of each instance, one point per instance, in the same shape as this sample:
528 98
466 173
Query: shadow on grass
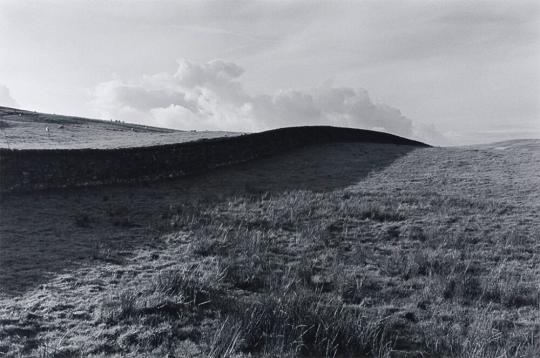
45 233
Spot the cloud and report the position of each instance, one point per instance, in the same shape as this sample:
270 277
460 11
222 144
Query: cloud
5 97
209 96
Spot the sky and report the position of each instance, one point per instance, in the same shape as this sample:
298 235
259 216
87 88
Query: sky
446 72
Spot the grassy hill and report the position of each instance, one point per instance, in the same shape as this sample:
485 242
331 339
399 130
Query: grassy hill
59 166
22 129
344 249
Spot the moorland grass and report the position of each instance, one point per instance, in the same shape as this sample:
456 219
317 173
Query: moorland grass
397 265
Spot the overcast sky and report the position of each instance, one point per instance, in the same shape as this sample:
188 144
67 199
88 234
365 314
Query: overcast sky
442 71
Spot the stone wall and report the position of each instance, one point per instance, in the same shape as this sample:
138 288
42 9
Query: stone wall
22 170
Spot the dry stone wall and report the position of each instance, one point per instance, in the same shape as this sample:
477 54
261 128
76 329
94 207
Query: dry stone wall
23 170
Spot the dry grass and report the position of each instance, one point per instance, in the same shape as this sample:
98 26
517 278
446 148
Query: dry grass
432 254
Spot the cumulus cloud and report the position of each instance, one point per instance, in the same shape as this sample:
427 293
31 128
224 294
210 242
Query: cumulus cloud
210 96
5 97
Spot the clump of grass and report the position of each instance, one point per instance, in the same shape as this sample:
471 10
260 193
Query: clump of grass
510 289
119 307
247 273
194 288
358 288
515 294
167 293
49 351
244 256
464 286
377 212
515 237
226 340
426 262
302 323
191 215
479 334
416 232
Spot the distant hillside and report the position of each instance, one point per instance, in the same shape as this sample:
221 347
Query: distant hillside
22 129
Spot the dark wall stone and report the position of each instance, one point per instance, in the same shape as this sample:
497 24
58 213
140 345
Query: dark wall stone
34 169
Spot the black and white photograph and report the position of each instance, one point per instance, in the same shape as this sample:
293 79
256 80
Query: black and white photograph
270 178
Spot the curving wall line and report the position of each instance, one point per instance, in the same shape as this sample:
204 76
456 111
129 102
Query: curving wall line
36 169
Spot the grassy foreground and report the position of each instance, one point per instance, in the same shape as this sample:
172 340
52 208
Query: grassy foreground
344 250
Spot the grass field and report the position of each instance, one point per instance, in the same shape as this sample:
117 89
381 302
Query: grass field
364 250
20 129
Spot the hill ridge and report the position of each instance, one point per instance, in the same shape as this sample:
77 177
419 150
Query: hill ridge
31 169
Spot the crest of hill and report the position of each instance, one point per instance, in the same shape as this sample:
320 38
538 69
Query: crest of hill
22 129
45 167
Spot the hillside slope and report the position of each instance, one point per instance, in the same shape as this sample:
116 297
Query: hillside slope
46 168
20 129
354 249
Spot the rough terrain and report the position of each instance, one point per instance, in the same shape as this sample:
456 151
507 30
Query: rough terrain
347 249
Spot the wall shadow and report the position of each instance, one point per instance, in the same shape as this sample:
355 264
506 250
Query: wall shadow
32 169
49 232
